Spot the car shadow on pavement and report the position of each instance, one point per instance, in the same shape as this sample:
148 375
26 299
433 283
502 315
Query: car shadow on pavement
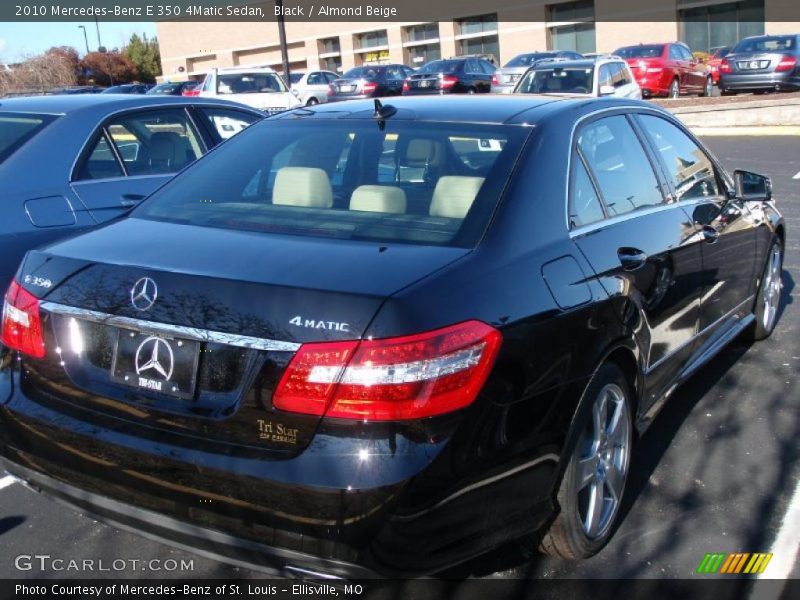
8 523
721 377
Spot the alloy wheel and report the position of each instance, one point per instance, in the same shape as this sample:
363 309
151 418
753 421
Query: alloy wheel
772 288
602 466
709 89
674 89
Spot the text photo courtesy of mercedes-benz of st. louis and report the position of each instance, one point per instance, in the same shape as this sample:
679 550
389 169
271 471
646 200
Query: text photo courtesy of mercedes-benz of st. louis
383 338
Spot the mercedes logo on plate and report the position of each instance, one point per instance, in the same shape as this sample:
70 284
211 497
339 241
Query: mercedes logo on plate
155 354
144 293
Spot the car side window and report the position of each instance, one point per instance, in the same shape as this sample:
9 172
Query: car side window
472 67
584 205
623 75
101 163
316 79
487 67
605 77
226 122
687 165
675 53
620 166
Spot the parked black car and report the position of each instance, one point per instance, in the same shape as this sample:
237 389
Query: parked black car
369 82
387 343
762 63
176 88
464 75
128 88
70 162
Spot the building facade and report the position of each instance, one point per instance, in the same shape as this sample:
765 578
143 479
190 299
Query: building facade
502 28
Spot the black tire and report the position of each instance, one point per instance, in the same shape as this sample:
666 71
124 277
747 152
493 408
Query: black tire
567 536
312 101
471 90
708 88
674 89
768 299
724 92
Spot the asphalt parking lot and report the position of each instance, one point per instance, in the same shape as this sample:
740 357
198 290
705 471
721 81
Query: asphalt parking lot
715 473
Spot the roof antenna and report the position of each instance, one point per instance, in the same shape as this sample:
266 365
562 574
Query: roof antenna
383 112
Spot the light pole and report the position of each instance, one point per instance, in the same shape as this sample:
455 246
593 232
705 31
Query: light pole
282 37
85 38
99 43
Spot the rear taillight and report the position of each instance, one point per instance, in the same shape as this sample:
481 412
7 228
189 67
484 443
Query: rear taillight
192 93
788 63
368 87
331 91
495 79
448 81
22 325
391 379
406 87
725 66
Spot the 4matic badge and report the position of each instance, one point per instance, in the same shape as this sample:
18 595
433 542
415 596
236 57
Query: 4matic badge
299 321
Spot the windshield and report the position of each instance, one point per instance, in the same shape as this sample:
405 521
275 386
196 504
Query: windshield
116 89
557 80
440 66
249 83
18 128
411 182
766 44
526 60
164 88
720 52
652 51
362 73
295 77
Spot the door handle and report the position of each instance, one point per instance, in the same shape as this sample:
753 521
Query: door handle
631 258
131 199
710 235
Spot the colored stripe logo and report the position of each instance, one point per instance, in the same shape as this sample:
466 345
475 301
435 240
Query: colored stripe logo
735 563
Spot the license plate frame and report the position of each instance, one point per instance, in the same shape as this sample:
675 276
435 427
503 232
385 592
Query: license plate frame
156 363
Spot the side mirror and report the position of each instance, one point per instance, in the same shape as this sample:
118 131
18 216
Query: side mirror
752 186
607 90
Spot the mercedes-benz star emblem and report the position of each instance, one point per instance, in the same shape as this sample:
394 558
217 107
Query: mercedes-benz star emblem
155 354
144 293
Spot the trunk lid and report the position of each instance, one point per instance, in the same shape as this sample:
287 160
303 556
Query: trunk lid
185 331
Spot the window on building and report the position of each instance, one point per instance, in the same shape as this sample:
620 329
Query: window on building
722 24
419 55
478 35
329 45
421 33
481 24
571 26
331 63
371 39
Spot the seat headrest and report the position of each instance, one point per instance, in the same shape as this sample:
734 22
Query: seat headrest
378 198
302 186
422 152
553 84
165 150
453 196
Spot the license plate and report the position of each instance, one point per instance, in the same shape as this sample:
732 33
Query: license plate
513 78
347 88
425 83
156 363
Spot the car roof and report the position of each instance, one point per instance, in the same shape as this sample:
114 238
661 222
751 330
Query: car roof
103 103
497 109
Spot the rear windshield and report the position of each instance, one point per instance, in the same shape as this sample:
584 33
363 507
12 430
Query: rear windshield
295 77
18 128
440 66
720 52
526 60
249 83
651 51
557 80
777 43
362 73
164 88
410 182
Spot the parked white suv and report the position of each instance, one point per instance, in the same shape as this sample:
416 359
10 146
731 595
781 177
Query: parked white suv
312 87
259 87
596 76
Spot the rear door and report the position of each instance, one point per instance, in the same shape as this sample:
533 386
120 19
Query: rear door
131 156
642 248
725 225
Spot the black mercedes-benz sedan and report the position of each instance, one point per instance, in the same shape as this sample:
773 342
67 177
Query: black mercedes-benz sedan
369 339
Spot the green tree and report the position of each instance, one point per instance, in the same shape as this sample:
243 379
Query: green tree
144 53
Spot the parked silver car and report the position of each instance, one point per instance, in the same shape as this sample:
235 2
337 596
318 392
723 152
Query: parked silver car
505 79
597 76
311 87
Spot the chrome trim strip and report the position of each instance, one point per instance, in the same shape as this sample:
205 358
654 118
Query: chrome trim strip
191 333
699 334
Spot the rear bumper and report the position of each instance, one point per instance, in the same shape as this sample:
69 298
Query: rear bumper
654 84
760 81
503 88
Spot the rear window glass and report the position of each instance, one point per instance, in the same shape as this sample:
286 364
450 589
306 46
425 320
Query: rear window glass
165 88
557 80
249 83
410 182
18 128
362 72
440 66
649 51
767 44
526 60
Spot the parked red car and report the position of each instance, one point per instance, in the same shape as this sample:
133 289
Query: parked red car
715 58
667 70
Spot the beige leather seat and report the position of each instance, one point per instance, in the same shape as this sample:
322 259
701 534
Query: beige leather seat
419 160
379 198
453 196
302 186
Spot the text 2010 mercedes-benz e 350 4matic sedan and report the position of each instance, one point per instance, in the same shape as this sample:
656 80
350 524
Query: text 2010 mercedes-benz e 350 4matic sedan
368 338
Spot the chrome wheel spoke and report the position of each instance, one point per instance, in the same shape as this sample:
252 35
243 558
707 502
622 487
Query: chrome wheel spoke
614 482
586 472
600 415
594 511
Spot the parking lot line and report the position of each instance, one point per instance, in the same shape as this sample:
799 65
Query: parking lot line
6 481
784 550
797 176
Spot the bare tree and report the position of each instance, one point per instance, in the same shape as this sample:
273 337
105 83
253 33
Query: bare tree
41 73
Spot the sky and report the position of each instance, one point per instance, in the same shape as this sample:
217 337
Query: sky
18 40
